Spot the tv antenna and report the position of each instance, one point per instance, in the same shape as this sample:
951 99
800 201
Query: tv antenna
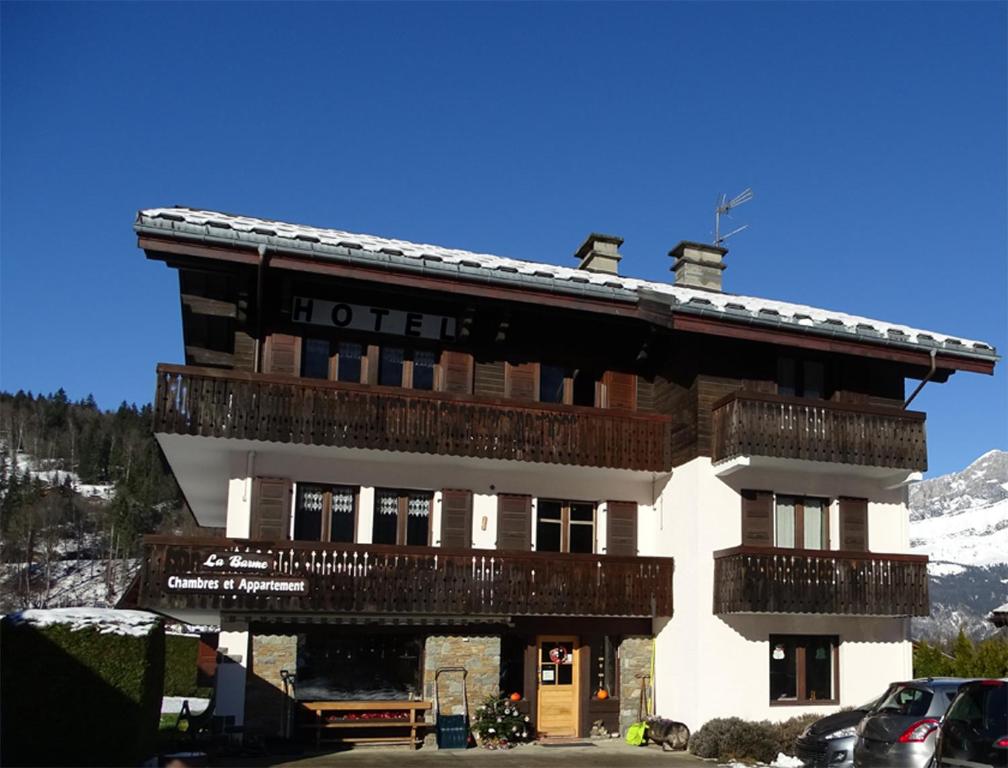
724 208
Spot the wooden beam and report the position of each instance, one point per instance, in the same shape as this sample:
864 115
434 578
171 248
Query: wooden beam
866 348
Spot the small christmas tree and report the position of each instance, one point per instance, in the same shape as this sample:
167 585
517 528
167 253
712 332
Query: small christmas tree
500 725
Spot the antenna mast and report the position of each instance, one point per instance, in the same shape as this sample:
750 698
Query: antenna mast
723 208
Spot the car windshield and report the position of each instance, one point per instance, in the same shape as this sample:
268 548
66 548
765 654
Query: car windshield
875 703
907 700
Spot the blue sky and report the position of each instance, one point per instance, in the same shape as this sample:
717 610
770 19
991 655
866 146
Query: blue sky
874 136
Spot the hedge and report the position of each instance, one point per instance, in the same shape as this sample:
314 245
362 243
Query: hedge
731 738
78 695
180 673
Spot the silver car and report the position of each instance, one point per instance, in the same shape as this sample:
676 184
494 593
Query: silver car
901 731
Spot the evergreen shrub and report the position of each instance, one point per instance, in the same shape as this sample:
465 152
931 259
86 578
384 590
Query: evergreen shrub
180 673
78 696
731 738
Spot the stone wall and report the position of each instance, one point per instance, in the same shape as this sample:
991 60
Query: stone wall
481 658
264 693
634 662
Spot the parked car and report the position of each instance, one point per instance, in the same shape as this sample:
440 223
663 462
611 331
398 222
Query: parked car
974 731
901 731
829 742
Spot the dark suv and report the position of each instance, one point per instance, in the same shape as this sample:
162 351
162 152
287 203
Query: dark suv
974 731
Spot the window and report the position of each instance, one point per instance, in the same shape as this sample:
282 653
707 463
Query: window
603 661
423 369
348 361
908 701
551 383
584 387
337 664
315 358
803 668
801 378
390 366
402 517
801 522
565 526
325 513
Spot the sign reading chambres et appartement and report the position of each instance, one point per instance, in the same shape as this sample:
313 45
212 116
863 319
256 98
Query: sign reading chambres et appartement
359 317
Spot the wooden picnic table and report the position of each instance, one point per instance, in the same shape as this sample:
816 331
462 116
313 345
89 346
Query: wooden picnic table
343 727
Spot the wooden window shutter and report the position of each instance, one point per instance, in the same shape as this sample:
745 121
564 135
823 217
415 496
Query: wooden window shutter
456 372
757 518
514 522
271 509
621 390
456 519
489 379
854 524
621 528
520 381
282 353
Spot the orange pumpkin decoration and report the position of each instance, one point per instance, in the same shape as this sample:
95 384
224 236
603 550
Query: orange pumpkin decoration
602 694
515 696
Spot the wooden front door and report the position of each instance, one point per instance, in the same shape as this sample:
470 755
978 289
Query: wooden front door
557 705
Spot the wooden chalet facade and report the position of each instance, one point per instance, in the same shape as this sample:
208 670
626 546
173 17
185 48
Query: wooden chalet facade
414 457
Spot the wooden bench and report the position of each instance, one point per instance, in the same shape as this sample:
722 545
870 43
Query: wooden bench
344 726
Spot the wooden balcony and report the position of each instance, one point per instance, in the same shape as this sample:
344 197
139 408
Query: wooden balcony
771 580
376 580
753 424
217 403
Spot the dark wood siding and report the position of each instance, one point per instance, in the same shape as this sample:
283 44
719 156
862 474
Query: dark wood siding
757 518
514 522
645 394
283 353
621 528
854 524
456 519
489 379
244 351
457 372
520 382
271 506
621 390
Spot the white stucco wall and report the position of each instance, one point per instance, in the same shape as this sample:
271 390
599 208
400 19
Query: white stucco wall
233 644
711 666
239 506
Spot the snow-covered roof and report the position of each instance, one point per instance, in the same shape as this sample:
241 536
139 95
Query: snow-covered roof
105 620
333 244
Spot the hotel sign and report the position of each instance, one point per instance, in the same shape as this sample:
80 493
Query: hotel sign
246 573
362 317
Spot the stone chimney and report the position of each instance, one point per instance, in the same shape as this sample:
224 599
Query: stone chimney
600 253
698 265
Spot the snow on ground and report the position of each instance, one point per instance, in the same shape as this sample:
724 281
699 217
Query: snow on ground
172 705
781 761
977 536
77 582
105 620
54 477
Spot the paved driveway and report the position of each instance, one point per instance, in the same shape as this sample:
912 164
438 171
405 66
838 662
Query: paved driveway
605 753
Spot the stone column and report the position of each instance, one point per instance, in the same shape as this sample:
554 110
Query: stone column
481 658
634 663
265 705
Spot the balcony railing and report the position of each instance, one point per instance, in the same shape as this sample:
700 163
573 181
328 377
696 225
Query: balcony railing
753 424
365 579
771 580
284 409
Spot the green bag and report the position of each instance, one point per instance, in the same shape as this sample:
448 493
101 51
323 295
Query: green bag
636 734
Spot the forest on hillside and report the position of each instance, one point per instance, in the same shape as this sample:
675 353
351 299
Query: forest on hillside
76 483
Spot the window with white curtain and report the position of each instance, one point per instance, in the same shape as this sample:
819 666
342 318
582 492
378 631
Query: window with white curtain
801 522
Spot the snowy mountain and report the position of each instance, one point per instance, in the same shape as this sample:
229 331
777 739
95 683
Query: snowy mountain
960 521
